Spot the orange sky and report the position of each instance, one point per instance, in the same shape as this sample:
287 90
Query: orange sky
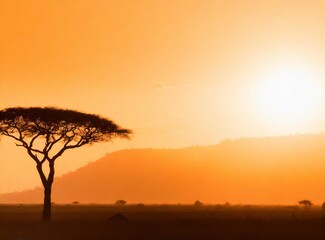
178 73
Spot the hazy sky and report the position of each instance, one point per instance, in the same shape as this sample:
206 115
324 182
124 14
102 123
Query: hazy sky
176 72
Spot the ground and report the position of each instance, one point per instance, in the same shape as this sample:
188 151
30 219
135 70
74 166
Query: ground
76 221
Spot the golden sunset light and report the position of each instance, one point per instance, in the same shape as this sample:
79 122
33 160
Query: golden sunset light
215 108
162 119
290 96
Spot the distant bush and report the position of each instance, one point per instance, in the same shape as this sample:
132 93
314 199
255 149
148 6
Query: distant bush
307 203
120 202
197 203
75 202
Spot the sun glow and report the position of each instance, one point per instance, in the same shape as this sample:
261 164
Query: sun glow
289 97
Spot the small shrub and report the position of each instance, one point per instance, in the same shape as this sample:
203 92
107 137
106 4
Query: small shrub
120 202
307 204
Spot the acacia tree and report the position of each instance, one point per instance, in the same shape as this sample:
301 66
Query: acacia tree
307 203
46 133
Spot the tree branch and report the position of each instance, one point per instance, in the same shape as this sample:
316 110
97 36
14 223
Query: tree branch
41 174
50 146
24 144
80 143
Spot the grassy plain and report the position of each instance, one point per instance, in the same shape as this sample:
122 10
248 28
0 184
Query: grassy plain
22 222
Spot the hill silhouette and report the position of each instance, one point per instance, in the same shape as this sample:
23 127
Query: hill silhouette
273 170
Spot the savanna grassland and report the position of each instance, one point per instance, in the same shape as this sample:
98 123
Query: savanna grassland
22 222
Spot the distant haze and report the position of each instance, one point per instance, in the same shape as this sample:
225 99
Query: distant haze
179 73
278 170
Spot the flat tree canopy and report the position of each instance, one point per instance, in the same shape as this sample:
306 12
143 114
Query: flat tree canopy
46 133
58 125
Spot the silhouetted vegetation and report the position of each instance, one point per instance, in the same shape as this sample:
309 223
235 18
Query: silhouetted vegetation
120 202
306 203
227 204
56 130
197 203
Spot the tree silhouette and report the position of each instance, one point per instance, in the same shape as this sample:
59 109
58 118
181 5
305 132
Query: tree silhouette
120 202
307 203
46 133
197 203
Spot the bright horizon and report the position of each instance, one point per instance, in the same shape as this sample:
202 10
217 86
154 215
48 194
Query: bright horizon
178 73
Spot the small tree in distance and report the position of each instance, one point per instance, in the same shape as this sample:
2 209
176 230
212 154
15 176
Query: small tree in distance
197 203
46 133
306 203
120 202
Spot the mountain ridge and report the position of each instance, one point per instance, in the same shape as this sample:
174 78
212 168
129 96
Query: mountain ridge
268 170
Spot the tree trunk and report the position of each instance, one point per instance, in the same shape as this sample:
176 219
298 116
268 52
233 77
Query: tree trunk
47 202
47 184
